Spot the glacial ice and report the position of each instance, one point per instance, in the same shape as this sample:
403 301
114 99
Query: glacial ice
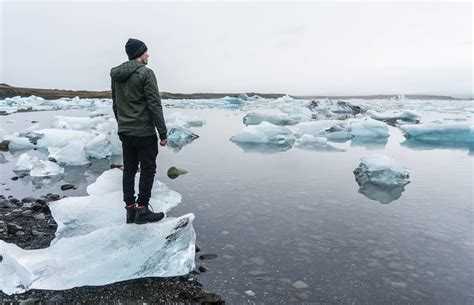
179 119
99 147
71 154
61 137
369 128
74 123
310 142
90 249
265 133
329 109
180 136
394 117
19 143
381 178
254 118
37 167
440 133
3 159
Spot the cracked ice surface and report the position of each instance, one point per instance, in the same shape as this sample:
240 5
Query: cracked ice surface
94 245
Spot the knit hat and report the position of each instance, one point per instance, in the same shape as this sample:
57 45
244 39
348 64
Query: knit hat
135 48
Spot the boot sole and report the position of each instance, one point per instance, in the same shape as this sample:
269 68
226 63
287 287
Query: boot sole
141 222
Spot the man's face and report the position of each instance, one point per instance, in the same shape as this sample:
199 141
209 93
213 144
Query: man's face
144 58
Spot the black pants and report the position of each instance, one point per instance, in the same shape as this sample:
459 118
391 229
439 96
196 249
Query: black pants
138 151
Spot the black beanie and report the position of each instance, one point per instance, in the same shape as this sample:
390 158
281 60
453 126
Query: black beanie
135 48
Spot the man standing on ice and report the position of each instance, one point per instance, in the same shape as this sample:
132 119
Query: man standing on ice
138 111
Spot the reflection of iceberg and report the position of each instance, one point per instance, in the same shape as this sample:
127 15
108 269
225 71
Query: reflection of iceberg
90 249
441 133
265 133
266 148
381 178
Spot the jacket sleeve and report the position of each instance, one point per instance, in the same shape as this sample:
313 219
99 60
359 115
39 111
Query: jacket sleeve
153 100
114 103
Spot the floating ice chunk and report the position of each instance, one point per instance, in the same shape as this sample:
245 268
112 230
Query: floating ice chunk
71 154
33 128
254 118
44 168
19 143
183 120
328 109
265 133
381 178
333 130
392 118
85 238
233 100
99 147
37 167
75 123
439 133
180 136
369 129
310 142
381 170
25 162
61 137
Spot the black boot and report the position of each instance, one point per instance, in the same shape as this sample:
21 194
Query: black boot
145 215
131 213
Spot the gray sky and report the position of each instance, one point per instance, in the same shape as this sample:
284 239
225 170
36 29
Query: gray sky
297 48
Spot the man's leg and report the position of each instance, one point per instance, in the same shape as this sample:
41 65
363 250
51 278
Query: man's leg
130 167
147 150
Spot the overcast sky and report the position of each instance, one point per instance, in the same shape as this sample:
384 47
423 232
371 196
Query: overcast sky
296 48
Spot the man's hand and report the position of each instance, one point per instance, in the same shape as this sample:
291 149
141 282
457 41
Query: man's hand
163 142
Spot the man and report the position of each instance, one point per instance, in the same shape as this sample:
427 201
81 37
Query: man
137 109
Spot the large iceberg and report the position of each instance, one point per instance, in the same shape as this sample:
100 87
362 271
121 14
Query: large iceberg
441 133
328 109
381 178
71 154
93 248
61 137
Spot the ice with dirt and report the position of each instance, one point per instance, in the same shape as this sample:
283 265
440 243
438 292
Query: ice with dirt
381 178
90 249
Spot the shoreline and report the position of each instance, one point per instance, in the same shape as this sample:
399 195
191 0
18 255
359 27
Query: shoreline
7 91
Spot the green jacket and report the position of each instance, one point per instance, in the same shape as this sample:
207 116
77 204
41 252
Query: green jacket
136 100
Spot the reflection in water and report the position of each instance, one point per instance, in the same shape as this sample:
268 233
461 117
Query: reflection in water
265 148
381 194
369 143
416 144
318 146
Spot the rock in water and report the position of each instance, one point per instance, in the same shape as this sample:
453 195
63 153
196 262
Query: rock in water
174 172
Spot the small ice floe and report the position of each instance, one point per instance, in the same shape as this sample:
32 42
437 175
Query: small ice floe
265 133
84 238
37 167
61 137
329 109
441 133
183 120
180 136
381 178
395 118
19 143
254 118
369 128
99 147
310 142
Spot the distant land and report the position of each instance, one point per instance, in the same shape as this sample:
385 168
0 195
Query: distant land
51 94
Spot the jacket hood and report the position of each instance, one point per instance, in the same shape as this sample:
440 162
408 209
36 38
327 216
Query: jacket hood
122 72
